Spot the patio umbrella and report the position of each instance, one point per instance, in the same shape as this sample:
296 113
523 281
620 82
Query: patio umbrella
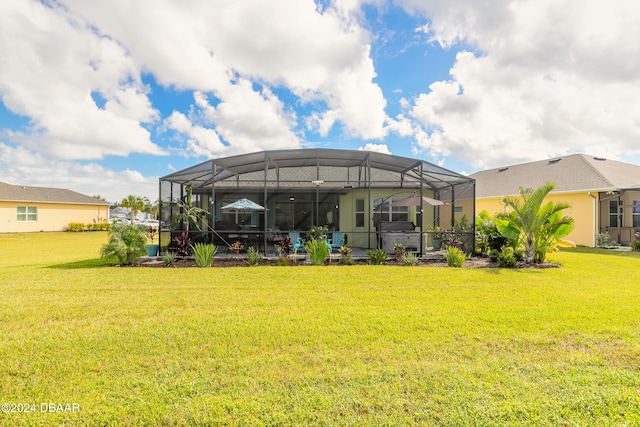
244 204
417 201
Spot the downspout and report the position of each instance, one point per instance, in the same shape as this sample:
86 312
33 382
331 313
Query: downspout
596 229
264 232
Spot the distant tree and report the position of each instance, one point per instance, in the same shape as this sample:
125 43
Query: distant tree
134 203
536 226
152 208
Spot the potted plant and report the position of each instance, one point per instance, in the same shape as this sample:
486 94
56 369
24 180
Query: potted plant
152 247
438 234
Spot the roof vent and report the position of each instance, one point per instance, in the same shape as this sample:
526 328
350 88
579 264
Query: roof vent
502 169
601 159
553 161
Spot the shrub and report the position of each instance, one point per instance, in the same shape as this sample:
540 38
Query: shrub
236 247
76 227
253 256
399 251
507 257
635 244
345 258
286 246
126 242
377 257
283 262
604 240
203 253
493 254
454 256
409 259
169 258
181 243
317 250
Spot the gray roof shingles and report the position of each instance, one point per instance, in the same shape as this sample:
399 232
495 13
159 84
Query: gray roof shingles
573 173
20 193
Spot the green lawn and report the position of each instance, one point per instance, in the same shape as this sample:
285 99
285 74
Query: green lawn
358 345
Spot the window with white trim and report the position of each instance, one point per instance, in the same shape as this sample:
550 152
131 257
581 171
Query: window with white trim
359 212
388 212
636 214
27 213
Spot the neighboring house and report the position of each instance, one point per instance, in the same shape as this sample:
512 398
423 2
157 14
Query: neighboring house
604 194
25 208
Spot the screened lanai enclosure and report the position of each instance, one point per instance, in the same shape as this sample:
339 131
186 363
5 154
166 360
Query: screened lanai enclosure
364 199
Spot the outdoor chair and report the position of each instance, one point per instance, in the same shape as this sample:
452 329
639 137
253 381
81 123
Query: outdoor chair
337 240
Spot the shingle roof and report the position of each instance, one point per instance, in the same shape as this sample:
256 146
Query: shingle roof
573 173
20 193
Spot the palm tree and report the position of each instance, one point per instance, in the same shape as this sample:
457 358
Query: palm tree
134 203
189 212
533 225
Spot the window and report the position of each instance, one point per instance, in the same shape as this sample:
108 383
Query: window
360 213
636 214
615 217
27 213
390 213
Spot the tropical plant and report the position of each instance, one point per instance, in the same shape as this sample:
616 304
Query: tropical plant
169 258
345 258
236 247
253 256
399 251
317 232
437 233
377 257
286 246
151 234
535 226
189 213
409 259
126 243
454 256
203 253
317 250
182 243
134 203
487 235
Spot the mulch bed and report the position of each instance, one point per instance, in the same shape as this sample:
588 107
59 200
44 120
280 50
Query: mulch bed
475 262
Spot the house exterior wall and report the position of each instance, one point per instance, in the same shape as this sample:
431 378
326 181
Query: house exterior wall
359 236
630 223
50 216
583 210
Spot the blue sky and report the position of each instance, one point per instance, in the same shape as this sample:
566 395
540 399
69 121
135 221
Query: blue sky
105 97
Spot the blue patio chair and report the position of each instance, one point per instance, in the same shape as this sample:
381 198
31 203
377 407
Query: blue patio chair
337 240
297 241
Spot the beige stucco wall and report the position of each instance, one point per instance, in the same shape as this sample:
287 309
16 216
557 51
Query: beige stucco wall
358 236
51 216
625 233
583 210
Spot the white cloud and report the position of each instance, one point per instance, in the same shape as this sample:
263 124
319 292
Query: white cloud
378 148
213 46
24 167
52 86
549 78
